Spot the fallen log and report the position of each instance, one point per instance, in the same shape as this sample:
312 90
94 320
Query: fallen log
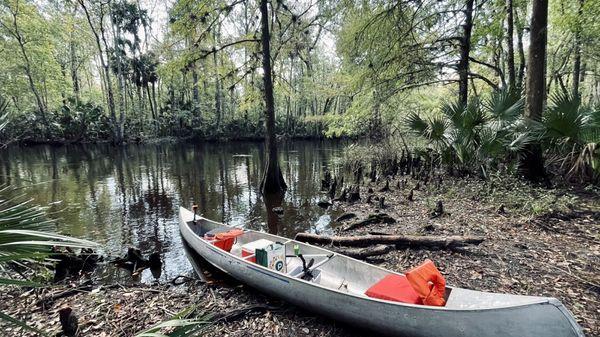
401 241
345 216
371 219
380 233
363 253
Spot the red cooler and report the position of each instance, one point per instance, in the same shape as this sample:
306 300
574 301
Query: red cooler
251 247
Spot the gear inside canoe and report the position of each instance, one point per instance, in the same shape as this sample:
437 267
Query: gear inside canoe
396 303
348 275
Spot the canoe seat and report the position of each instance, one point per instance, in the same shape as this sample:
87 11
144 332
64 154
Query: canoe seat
394 288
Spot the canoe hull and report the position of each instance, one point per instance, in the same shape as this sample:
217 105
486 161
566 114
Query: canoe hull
549 319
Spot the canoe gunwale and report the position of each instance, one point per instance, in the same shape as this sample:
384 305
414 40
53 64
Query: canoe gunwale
535 300
551 317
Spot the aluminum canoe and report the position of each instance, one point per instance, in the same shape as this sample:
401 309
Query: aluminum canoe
339 292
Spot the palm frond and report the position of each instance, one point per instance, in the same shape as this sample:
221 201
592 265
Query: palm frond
563 120
415 123
20 283
4 116
454 111
464 146
436 129
590 135
593 118
19 323
3 121
25 231
183 327
180 325
519 141
504 105
587 163
492 143
473 117
22 238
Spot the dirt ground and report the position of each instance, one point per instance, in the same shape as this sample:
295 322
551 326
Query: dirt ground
537 242
554 253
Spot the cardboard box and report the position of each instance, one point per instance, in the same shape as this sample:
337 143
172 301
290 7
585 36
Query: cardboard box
272 257
251 247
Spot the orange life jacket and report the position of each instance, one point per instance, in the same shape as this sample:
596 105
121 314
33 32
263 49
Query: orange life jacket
420 278
229 234
225 240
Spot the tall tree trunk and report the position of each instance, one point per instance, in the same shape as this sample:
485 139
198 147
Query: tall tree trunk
106 71
195 90
290 98
577 51
73 56
152 107
531 160
122 95
217 91
521 72
375 132
140 101
153 100
272 180
28 71
510 58
74 76
218 105
465 49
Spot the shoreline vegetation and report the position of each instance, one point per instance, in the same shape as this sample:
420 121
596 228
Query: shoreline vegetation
169 139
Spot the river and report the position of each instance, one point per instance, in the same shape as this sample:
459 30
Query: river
129 196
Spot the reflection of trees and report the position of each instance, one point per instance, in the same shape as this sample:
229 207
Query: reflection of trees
5 171
273 220
130 195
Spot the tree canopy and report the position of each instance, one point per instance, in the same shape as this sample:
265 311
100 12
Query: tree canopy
120 70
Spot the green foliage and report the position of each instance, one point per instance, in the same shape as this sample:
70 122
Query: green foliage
571 131
3 114
517 196
181 325
382 156
471 136
354 122
485 134
79 120
25 237
340 69
565 120
180 328
25 231
76 120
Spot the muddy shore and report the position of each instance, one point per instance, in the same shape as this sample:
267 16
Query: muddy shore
548 249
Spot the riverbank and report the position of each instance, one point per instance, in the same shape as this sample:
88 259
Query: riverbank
542 242
537 242
228 307
170 139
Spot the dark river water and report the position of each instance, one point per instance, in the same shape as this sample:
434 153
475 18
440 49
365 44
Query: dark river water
129 196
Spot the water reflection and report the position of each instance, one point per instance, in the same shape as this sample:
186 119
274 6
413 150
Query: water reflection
129 196
275 212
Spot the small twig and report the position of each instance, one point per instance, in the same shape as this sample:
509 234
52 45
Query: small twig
234 314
